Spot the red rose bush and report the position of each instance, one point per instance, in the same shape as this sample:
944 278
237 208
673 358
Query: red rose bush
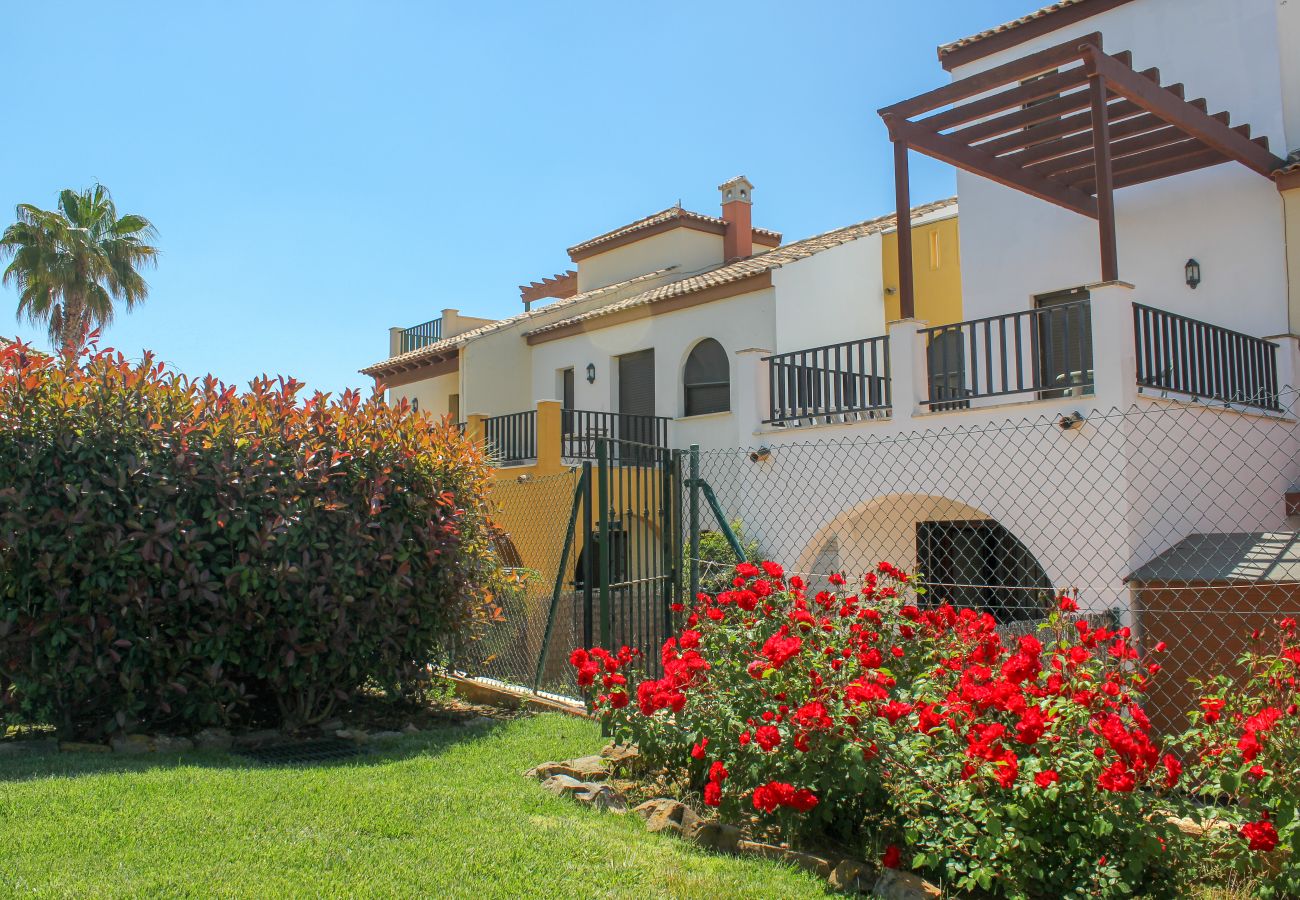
1243 748
913 734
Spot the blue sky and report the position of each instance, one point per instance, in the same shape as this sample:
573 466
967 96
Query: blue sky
321 171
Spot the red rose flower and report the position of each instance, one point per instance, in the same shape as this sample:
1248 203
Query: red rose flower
1261 835
892 857
1046 779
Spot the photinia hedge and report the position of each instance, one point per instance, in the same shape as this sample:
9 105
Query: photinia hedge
176 553
917 734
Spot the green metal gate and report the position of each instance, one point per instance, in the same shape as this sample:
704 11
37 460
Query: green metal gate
621 568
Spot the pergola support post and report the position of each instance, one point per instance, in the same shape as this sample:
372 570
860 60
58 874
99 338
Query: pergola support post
903 205
1105 180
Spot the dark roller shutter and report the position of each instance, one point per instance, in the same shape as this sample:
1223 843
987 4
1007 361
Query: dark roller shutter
636 396
1064 342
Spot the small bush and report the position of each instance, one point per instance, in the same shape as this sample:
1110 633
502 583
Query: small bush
718 558
1243 747
176 553
911 735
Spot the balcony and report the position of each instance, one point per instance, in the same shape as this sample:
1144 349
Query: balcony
552 437
421 335
1038 354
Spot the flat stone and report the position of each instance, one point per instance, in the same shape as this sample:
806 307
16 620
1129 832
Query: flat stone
564 785
357 735
668 815
258 738
83 747
410 728
853 876
1193 828
213 739
330 725
384 735
132 744
713 834
602 797
29 747
477 722
168 744
897 884
818 865
620 754
587 768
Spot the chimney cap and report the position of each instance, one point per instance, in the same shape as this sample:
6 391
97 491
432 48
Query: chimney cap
738 188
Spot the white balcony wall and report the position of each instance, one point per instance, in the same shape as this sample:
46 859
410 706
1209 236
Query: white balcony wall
833 296
1228 217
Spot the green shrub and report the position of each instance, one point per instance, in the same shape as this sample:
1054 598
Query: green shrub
175 553
718 558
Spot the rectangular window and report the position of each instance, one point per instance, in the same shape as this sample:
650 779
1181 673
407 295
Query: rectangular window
934 249
453 407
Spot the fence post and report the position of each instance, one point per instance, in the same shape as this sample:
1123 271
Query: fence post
602 498
909 374
588 563
694 511
474 428
1114 353
549 437
394 341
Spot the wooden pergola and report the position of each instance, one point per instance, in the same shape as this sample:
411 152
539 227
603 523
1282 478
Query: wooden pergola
1069 125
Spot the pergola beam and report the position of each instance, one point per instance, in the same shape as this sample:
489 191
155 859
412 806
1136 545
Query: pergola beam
945 149
1105 188
1038 137
1162 103
998 76
1120 147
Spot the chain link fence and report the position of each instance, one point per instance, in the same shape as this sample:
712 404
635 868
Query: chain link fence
1168 517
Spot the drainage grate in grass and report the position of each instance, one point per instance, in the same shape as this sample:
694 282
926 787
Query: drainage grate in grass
302 752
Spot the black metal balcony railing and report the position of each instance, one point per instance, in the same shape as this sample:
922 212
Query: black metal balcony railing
511 438
836 380
1175 353
1046 351
421 335
581 429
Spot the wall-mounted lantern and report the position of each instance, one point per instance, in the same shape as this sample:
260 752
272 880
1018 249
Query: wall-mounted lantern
1193 272
591 373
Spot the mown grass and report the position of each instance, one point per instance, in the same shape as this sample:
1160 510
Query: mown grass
439 814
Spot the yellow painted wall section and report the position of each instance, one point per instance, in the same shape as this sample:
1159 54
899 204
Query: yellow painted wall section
936 264
1291 208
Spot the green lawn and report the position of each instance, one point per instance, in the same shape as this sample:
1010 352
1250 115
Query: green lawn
440 814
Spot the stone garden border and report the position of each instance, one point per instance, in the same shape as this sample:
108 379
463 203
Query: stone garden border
586 780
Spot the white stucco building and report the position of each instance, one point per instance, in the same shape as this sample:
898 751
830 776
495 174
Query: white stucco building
1127 307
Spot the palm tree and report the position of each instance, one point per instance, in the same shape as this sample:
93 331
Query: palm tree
71 266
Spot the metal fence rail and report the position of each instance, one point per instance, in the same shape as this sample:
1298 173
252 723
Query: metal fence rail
582 431
1176 353
836 380
1046 351
512 438
421 335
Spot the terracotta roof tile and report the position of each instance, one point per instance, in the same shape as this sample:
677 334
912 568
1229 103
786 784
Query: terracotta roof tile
754 265
429 351
664 215
945 49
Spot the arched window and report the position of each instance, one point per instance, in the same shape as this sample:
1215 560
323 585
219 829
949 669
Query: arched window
707 379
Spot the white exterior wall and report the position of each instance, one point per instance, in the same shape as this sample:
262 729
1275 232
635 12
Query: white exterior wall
687 249
738 323
1227 217
432 393
833 296
1288 37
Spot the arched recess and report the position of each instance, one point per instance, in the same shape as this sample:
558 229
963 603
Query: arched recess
964 555
706 379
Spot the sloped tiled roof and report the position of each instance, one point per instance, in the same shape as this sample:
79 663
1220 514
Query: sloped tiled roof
1251 557
1043 13
664 215
441 348
753 265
